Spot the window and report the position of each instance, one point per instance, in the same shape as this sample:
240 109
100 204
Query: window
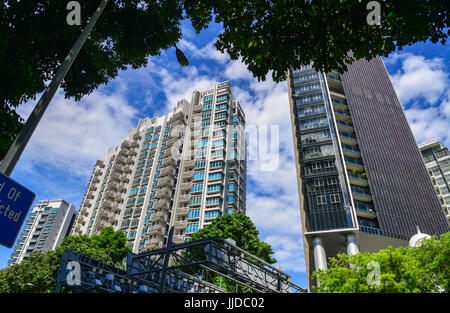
208 98
200 164
318 182
321 200
224 97
191 227
214 200
315 165
211 214
202 143
220 124
313 123
195 200
217 143
332 181
220 114
197 187
195 213
328 164
199 175
215 176
334 198
216 164
207 106
213 188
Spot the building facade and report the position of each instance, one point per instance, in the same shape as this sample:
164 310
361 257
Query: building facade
46 226
180 170
437 160
362 183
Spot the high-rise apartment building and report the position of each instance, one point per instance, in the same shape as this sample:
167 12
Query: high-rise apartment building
180 170
363 185
46 226
437 161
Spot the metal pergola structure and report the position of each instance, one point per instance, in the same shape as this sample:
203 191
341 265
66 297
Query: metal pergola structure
187 268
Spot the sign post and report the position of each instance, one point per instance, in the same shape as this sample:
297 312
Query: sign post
15 201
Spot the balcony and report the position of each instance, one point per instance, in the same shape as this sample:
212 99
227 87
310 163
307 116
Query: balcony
354 164
351 151
157 229
154 243
187 175
184 198
165 181
185 186
97 173
179 116
137 136
180 225
163 193
103 214
178 123
100 224
182 211
361 195
170 161
161 204
159 217
113 218
367 211
167 171
345 126
189 164
358 179
107 204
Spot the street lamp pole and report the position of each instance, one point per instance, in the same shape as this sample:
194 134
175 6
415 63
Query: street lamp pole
16 149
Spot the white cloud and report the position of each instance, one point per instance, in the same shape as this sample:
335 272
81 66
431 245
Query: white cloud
423 87
419 78
288 252
206 52
73 135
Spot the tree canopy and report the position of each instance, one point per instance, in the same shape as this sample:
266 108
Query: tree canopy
420 269
240 228
269 36
38 272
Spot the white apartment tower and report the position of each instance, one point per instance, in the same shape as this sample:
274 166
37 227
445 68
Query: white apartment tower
437 160
47 225
180 170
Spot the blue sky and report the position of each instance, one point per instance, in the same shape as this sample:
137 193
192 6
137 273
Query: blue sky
73 135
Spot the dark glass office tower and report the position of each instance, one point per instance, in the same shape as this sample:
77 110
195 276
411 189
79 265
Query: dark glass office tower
362 182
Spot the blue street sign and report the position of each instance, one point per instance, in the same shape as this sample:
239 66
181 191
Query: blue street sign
15 201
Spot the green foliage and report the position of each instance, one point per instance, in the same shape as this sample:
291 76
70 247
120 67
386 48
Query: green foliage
276 35
240 228
266 35
109 245
35 38
35 274
421 269
38 272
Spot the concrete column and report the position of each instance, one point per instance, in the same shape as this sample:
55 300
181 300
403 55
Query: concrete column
320 257
352 244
